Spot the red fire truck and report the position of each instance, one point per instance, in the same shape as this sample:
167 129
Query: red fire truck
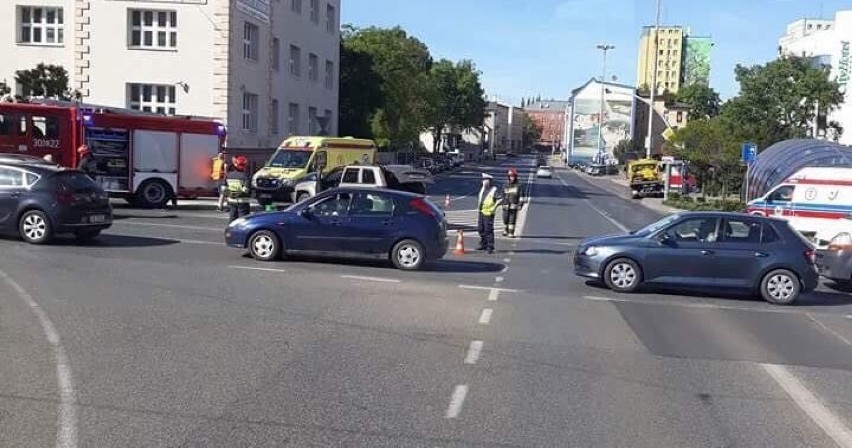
141 157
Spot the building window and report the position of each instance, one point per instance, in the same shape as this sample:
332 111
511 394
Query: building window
251 34
276 54
328 119
152 29
312 120
315 11
296 6
295 61
156 98
274 118
293 119
313 67
41 25
329 75
680 117
330 20
249 112
662 52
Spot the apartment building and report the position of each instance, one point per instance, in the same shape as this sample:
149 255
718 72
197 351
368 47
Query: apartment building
661 51
266 68
827 43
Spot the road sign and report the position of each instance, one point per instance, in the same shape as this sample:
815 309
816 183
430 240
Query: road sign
749 153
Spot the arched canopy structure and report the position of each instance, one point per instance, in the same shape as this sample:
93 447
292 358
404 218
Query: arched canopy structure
783 159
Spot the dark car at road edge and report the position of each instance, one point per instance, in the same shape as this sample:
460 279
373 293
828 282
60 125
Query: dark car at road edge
716 250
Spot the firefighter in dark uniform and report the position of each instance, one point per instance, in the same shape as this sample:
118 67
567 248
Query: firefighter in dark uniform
512 203
238 186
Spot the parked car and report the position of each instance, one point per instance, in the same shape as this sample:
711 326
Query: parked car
544 171
705 249
406 228
39 200
834 252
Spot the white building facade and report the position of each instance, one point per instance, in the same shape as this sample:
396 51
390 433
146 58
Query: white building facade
828 42
265 68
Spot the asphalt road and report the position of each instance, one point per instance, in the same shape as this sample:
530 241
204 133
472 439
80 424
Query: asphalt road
158 335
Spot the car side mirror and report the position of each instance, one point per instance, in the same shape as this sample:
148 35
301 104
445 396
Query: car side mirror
664 238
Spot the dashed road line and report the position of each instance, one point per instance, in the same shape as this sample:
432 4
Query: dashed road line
473 352
829 330
507 260
599 211
485 317
371 279
832 425
499 279
487 288
456 401
493 294
66 414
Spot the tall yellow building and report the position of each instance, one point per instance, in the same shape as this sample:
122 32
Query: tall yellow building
666 54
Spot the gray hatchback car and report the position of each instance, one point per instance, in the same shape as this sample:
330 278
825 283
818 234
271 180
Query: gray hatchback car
708 250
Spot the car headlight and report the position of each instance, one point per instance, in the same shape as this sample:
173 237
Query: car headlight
590 251
842 241
286 182
239 222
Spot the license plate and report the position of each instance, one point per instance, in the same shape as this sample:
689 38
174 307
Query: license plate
97 219
265 196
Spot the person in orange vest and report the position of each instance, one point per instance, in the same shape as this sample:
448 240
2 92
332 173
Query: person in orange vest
219 172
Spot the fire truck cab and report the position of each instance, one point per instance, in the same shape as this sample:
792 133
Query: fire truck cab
141 157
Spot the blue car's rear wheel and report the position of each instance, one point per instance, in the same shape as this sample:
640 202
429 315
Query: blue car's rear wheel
408 255
264 245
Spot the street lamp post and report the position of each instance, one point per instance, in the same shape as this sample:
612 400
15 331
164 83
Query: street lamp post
605 48
650 139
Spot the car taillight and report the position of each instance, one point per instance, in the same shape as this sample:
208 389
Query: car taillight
421 206
810 256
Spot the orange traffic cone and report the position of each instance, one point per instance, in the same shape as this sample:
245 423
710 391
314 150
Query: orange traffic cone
459 243
447 201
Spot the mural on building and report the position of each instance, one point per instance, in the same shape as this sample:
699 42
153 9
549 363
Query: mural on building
696 61
617 120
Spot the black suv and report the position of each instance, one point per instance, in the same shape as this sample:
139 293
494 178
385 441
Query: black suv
39 200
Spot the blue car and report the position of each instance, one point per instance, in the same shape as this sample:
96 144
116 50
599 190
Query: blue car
708 250
406 228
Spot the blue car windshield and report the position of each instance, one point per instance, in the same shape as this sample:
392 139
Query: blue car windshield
289 158
654 227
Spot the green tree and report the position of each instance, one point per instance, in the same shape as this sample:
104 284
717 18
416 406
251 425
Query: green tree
531 131
713 153
778 100
402 63
46 81
455 98
702 100
360 90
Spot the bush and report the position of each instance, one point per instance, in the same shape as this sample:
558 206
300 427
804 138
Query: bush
701 204
701 199
675 196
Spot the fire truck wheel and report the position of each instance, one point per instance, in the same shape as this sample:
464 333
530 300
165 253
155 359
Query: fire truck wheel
153 193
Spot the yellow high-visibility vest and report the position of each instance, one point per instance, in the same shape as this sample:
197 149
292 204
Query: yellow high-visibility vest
489 205
218 169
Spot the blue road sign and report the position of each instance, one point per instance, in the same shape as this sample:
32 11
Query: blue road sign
749 153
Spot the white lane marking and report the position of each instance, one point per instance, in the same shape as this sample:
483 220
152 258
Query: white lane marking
66 414
509 260
473 352
371 279
522 214
498 279
493 294
832 425
252 268
172 226
485 317
487 288
213 243
503 271
456 401
602 299
826 328
606 216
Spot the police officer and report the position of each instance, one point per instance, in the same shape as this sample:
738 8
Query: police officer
238 187
489 200
512 203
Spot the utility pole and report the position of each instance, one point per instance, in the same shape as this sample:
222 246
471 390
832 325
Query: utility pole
650 139
605 48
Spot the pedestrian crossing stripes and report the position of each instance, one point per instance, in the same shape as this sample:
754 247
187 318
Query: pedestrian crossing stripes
467 220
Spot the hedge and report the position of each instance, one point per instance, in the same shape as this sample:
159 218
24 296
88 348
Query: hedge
703 204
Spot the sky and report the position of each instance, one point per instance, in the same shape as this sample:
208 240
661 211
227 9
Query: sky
526 48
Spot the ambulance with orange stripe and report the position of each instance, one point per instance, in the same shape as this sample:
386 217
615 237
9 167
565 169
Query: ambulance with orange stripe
812 199
298 157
